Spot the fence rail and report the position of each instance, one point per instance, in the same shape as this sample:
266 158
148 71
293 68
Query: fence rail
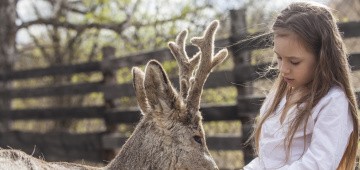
91 146
217 79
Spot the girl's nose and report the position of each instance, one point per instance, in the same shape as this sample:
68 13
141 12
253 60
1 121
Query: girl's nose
284 68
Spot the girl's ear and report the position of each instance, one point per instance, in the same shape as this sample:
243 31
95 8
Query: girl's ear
138 83
161 95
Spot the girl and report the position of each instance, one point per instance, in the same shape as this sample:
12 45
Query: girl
309 119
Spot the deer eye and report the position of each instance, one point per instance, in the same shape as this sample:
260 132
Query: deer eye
198 139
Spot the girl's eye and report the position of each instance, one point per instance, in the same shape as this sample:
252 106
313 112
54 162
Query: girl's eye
295 63
198 139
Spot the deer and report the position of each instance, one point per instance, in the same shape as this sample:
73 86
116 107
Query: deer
170 134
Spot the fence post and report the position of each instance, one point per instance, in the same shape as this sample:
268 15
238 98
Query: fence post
7 56
5 104
109 78
242 59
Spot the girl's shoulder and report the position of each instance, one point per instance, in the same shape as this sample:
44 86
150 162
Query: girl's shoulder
333 103
335 94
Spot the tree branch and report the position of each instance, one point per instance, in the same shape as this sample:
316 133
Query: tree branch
118 28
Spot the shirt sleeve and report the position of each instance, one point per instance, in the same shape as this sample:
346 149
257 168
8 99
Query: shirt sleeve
330 137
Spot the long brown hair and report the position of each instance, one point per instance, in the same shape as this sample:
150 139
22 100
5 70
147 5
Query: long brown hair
316 26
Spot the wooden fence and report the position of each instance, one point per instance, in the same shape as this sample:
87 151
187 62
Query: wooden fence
94 146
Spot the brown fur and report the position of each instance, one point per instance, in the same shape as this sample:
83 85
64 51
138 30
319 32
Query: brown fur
170 134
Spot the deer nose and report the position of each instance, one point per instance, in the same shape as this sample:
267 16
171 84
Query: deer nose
213 164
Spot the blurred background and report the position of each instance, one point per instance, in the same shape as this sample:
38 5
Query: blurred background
53 54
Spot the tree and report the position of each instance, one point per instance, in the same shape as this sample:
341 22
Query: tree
7 49
75 31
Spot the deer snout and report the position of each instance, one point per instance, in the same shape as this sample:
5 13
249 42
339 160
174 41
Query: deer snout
211 163
215 167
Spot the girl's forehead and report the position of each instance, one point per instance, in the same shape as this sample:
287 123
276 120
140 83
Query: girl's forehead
281 32
289 45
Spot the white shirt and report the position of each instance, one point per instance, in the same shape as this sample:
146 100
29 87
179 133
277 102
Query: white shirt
328 130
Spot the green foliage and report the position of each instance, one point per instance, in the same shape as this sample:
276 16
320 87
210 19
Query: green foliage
39 126
262 56
223 95
126 129
93 99
171 68
88 126
85 77
228 64
125 103
228 159
124 75
214 128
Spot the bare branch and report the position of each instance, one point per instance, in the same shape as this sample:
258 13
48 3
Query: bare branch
93 50
118 28
41 47
172 19
80 11
71 44
59 4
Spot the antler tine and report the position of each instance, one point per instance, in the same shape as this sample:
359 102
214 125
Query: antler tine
207 62
186 65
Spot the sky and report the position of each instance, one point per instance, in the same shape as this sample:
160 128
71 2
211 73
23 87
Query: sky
26 12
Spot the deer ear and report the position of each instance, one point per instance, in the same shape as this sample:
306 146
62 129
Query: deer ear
138 83
161 95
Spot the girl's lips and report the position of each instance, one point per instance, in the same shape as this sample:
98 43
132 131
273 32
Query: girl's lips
288 80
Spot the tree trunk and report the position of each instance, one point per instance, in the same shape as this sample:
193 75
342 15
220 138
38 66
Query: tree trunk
7 51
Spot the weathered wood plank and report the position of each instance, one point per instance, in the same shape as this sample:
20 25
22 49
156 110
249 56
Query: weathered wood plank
73 89
354 61
55 146
246 73
123 116
210 113
126 61
350 29
215 80
246 107
54 113
51 71
219 113
224 142
242 74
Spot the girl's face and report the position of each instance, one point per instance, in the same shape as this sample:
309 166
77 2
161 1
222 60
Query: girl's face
296 63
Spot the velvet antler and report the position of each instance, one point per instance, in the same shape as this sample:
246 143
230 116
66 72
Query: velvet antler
192 81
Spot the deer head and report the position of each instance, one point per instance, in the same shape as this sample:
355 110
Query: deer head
171 128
